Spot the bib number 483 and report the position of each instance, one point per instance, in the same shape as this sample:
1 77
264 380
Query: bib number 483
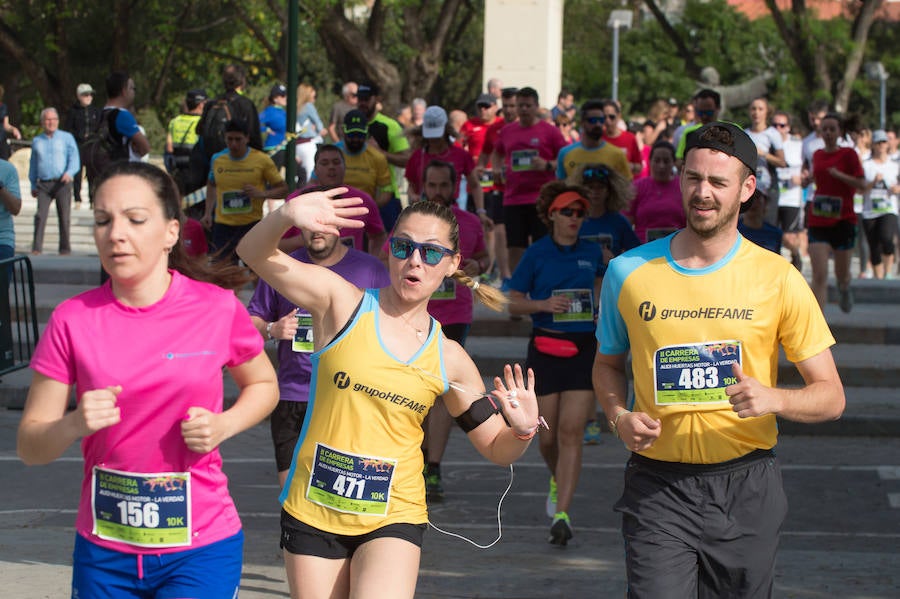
699 378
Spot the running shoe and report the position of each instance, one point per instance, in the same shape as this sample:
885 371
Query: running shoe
560 530
434 490
592 433
551 499
846 299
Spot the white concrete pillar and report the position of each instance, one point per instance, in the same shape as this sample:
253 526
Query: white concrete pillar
523 45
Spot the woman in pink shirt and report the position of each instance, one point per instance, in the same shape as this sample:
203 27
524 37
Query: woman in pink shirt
144 353
656 209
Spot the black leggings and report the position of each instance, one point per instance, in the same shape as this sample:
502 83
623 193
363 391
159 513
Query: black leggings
880 232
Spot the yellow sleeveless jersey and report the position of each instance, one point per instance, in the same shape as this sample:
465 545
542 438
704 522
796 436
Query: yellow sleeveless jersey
358 462
686 327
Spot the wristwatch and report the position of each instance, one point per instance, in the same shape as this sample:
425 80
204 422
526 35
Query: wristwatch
269 330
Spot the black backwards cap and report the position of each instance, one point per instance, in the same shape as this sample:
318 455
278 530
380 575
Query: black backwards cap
741 146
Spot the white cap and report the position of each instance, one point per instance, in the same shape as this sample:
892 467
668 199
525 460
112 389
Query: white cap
83 89
434 123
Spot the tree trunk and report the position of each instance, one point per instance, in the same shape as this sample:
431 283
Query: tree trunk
861 26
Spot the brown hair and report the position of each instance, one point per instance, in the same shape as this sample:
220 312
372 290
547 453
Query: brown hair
620 190
549 192
487 295
164 188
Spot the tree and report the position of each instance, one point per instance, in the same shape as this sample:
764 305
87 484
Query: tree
400 44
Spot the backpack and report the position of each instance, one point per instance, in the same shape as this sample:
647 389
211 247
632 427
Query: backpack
104 145
212 128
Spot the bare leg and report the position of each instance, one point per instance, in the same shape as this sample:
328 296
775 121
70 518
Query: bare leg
818 256
311 577
573 407
386 568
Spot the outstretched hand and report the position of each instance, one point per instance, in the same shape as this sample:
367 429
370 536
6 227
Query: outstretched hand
323 212
517 399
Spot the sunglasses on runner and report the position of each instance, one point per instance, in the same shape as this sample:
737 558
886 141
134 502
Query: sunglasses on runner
431 253
595 120
572 212
781 125
595 173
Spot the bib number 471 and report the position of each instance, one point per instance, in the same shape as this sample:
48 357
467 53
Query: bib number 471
348 487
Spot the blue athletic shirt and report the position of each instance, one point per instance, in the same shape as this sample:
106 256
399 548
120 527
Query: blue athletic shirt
613 224
547 267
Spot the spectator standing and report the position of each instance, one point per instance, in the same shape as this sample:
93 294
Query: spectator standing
54 163
309 129
240 179
524 158
417 112
273 124
880 205
82 120
10 205
6 129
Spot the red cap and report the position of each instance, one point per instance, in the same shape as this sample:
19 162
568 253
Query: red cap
567 198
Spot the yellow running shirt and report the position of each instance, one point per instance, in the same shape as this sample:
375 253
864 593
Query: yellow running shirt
358 462
686 327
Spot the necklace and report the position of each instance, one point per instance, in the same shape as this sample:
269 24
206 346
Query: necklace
420 333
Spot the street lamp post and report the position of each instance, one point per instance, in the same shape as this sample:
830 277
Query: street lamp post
618 19
876 70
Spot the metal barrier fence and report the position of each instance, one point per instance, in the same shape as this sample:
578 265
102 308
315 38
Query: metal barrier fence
18 314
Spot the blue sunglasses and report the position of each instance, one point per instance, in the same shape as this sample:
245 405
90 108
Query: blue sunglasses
431 253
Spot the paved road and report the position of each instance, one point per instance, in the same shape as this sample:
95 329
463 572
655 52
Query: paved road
840 539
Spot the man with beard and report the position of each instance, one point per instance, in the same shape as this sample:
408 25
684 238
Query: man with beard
702 312
329 172
290 326
592 149
365 167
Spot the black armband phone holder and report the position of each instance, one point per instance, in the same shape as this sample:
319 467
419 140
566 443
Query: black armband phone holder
480 410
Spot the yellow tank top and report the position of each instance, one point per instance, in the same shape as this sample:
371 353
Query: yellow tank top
358 462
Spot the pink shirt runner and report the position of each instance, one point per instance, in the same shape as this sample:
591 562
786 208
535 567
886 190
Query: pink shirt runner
519 145
167 357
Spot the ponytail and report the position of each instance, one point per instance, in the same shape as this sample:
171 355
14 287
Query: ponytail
489 296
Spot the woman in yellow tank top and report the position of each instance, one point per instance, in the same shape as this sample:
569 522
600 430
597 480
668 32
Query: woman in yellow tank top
354 512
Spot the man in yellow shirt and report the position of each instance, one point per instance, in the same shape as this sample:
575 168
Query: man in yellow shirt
703 312
241 178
